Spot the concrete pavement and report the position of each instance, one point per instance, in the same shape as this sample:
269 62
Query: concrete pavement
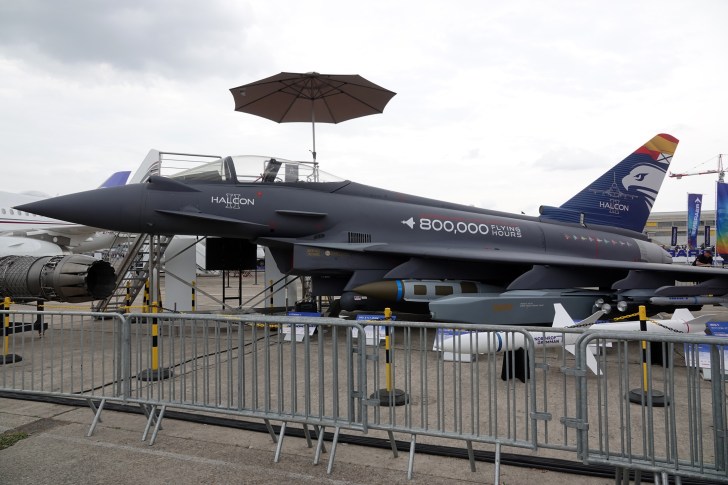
57 451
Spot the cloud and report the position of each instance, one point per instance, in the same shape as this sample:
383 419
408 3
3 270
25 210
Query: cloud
511 103
163 36
570 158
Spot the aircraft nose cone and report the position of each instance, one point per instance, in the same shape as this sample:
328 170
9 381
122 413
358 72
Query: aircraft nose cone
113 208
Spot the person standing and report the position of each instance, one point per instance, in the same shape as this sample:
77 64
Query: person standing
704 259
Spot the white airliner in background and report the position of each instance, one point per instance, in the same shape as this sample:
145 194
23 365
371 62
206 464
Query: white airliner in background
24 234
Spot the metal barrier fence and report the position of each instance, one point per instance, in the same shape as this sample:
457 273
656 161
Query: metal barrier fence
245 363
661 417
518 392
79 357
461 399
245 366
544 400
242 366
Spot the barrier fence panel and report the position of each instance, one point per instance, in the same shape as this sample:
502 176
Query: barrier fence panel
651 412
464 398
79 353
554 363
247 366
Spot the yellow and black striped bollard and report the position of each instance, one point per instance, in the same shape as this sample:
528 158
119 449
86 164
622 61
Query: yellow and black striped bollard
645 395
155 373
127 298
7 357
389 396
145 308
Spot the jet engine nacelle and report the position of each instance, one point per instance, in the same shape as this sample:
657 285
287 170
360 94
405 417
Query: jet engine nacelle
72 279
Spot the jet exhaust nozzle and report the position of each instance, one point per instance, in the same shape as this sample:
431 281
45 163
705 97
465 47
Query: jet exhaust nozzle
72 279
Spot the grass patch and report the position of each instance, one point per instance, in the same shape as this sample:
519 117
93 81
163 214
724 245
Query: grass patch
9 438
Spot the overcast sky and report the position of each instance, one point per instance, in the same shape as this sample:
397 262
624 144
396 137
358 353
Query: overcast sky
503 105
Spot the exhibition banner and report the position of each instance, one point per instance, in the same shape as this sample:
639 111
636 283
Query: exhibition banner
673 239
707 236
721 219
694 203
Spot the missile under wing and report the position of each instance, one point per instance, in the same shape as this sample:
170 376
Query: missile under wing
349 237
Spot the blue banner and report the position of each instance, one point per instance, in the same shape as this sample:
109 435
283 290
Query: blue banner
694 203
673 238
721 220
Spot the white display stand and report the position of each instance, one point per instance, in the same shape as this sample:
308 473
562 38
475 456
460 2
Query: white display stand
374 334
299 329
180 260
718 329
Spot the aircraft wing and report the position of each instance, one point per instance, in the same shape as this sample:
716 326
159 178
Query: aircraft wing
69 235
66 230
542 270
489 255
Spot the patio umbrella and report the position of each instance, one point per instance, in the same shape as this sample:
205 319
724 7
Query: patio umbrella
324 98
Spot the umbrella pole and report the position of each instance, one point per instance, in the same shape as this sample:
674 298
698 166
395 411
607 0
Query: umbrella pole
306 283
313 131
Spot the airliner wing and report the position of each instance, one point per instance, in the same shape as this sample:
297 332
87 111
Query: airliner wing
19 224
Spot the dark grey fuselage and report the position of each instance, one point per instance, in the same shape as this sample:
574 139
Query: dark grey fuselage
345 234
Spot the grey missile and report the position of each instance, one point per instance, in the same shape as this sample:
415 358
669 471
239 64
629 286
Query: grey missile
516 307
422 290
688 300
73 279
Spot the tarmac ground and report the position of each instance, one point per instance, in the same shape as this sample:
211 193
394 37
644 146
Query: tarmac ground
57 451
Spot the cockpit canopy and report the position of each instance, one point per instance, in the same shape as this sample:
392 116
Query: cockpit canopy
252 169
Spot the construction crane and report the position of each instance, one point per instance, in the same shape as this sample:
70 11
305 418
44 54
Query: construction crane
719 171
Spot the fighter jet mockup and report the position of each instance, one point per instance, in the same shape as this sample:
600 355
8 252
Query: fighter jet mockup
378 248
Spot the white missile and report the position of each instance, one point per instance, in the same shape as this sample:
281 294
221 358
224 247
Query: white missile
493 342
682 321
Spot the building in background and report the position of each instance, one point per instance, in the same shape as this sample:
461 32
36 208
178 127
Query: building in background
659 227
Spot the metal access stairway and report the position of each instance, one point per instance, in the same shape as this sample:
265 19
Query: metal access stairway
133 270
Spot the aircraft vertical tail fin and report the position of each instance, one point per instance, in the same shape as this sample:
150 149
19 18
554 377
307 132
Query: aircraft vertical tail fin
623 196
116 179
